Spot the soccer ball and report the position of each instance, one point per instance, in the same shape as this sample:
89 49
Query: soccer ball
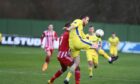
99 32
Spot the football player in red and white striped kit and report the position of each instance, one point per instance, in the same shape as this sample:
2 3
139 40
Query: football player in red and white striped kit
64 57
50 36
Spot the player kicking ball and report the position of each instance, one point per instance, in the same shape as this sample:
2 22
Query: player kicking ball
77 42
64 57
92 54
50 35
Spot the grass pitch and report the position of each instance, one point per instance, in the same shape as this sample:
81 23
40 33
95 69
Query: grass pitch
21 65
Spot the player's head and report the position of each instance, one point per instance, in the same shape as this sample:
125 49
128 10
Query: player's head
91 29
66 26
50 27
85 19
113 34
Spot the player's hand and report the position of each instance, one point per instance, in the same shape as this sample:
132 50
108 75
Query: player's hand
95 46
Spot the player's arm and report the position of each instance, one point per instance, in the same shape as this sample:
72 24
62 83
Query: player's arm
71 27
74 25
60 39
42 37
118 41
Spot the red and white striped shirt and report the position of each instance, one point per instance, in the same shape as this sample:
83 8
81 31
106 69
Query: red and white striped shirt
49 36
64 45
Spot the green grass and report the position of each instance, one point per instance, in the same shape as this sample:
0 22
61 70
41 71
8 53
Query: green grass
21 65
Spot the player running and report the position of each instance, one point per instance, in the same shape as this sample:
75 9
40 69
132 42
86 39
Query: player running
64 57
114 41
50 35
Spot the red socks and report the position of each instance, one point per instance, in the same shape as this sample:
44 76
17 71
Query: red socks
77 77
47 59
57 74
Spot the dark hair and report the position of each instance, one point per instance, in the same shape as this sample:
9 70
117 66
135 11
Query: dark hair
90 26
113 32
67 24
83 16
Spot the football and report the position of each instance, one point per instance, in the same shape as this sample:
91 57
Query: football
99 32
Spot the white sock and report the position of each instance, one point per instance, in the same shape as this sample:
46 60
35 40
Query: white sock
110 59
67 79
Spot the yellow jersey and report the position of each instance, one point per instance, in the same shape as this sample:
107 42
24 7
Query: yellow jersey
78 30
113 41
93 38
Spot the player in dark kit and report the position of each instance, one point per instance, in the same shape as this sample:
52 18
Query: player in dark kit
64 57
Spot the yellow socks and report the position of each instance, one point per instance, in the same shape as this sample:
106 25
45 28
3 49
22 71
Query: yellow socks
68 76
90 71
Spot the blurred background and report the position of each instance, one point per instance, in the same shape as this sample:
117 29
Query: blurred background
22 23
30 18
112 11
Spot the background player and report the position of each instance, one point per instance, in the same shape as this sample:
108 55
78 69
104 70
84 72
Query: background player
92 55
113 42
64 57
50 35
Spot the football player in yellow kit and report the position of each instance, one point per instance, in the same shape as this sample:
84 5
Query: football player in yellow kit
92 54
113 42
78 41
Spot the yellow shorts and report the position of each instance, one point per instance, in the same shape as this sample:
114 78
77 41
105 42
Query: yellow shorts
75 53
77 44
113 50
92 55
